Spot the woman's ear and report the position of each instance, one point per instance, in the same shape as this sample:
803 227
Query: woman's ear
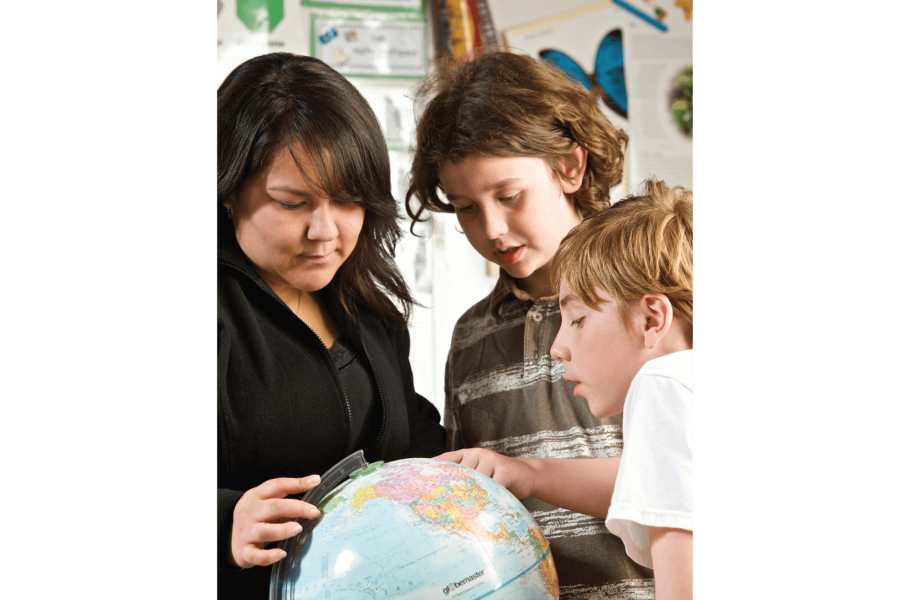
575 170
228 204
655 315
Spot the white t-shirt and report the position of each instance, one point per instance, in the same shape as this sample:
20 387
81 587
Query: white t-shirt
654 486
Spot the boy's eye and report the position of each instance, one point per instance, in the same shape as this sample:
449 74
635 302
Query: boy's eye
292 206
577 321
507 198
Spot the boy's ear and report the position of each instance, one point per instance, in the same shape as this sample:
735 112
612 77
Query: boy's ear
575 173
654 316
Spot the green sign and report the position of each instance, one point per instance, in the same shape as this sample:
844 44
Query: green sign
256 14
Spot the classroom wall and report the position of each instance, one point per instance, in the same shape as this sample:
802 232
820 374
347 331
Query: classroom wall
445 274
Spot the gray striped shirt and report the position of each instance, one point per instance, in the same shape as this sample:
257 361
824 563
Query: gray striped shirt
505 393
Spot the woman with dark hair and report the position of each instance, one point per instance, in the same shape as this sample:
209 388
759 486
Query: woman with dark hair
313 353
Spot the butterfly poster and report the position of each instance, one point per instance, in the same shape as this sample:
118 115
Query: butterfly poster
636 59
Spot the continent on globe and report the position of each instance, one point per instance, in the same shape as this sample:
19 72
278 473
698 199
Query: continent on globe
418 528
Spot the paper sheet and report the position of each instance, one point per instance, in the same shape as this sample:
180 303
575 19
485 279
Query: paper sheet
380 47
407 5
393 107
652 61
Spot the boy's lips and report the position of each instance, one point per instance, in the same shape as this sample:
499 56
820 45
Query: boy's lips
510 255
577 385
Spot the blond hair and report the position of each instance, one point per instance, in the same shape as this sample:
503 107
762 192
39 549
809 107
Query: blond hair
641 245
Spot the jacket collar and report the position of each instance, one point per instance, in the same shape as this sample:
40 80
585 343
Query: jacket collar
227 249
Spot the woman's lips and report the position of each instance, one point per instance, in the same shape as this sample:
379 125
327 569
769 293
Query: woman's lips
510 255
317 259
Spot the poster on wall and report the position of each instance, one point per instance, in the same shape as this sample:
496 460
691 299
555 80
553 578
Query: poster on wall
384 5
393 107
659 77
391 47
248 28
636 60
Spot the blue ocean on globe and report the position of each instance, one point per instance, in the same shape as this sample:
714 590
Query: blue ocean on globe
418 528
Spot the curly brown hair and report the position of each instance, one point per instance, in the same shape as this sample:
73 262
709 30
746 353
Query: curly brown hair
504 104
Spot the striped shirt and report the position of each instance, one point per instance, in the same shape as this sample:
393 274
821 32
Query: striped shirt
505 393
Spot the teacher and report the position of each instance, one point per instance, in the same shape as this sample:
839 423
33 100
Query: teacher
313 353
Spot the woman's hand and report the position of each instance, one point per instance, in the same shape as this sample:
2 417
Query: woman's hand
515 474
263 515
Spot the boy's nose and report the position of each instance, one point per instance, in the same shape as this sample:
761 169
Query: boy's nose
558 350
494 223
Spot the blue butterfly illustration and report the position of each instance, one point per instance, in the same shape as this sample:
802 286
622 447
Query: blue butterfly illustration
608 80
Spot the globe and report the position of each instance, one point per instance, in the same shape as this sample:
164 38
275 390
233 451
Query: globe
417 528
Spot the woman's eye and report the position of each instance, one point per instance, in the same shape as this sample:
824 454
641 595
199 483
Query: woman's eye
578 321
292 206
462 209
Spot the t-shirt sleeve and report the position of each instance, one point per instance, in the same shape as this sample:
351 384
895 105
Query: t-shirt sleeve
654 486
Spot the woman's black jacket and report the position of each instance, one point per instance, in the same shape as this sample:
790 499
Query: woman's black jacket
281 408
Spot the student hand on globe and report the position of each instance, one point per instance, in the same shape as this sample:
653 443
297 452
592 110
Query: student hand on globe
263 515
515 474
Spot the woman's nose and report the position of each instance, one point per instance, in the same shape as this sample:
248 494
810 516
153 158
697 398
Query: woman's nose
322 227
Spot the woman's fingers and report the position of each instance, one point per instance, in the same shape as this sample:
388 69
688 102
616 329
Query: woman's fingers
263 515
285 486
252 551
274 532
253 556
286 508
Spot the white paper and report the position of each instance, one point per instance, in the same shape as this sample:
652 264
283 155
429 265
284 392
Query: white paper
393 107
652 60
379 47
411 5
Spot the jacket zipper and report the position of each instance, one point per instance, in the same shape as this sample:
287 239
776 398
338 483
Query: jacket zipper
334 373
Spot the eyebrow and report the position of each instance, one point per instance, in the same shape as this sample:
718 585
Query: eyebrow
496 186
566 299
290 190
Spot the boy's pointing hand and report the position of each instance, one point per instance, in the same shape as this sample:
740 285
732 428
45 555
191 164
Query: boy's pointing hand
515 474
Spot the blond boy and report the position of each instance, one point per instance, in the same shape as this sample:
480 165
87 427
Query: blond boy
625 287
